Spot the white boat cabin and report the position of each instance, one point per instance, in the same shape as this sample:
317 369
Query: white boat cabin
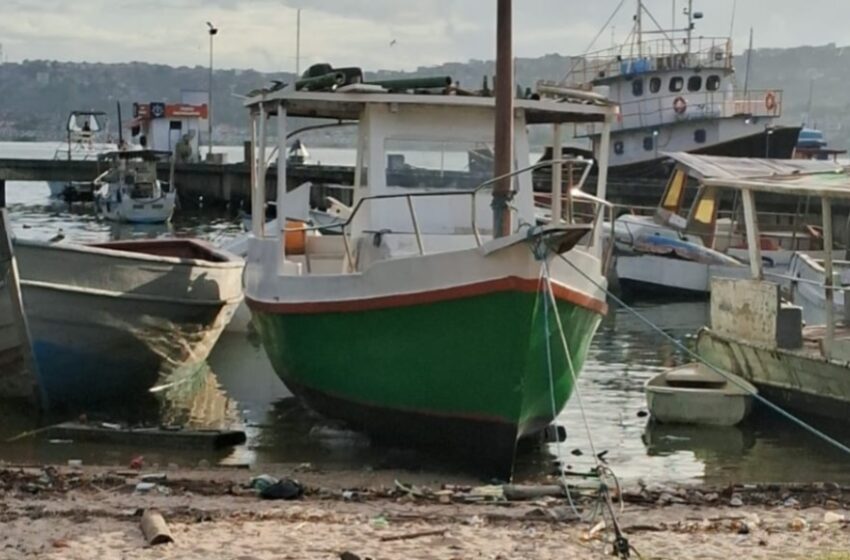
397 135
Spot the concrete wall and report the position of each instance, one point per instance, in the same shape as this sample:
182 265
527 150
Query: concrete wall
745 309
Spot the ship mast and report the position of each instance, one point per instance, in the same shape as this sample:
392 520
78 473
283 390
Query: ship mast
690 24
639 27
503 149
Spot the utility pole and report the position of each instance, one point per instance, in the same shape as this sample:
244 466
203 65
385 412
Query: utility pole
212 32
504 134
298 46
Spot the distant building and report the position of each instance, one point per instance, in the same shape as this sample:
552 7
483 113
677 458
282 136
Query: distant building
174 128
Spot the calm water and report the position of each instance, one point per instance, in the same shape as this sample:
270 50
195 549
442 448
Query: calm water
238 388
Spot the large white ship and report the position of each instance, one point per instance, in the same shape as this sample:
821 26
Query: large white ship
678 93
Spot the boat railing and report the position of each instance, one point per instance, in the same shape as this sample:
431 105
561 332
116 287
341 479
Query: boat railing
471 193
817 283
654 55
651 111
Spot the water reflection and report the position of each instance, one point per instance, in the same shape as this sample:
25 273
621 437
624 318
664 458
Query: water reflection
237 388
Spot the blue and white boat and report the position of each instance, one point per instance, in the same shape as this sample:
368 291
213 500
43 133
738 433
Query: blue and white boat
108 320
683 245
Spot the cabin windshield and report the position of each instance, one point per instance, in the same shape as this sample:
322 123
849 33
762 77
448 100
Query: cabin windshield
462 164
416 165
703 217
675 193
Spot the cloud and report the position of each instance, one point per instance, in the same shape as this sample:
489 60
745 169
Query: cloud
261 33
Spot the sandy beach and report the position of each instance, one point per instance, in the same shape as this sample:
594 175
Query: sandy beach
90 512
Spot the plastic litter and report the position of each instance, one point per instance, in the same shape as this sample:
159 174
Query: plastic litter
286 489
263 481
145 487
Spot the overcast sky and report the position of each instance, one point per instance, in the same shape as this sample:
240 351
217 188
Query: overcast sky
261 33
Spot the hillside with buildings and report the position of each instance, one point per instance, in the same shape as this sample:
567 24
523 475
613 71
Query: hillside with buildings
36 96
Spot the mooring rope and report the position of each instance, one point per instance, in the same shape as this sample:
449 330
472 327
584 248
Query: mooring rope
728 376
543 287
621 546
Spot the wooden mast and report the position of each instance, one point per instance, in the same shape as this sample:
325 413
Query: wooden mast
503 152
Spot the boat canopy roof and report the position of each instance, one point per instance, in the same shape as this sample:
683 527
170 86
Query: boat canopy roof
350 104
87 113
721 167
145 155
824 179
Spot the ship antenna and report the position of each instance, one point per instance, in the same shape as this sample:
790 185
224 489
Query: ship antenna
593 42
732 22
749 58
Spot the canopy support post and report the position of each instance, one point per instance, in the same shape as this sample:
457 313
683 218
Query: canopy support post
602 181
256 205
260 219
281 179
753 236
826 211
557 176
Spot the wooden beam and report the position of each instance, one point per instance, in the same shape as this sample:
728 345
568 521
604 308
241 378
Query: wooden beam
504 135
753 236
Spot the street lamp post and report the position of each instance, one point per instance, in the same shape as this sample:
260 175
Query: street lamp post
212 31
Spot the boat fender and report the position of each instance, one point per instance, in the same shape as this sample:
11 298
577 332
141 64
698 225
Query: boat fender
680 105
770 101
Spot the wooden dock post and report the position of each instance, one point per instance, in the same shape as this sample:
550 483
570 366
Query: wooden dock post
20 381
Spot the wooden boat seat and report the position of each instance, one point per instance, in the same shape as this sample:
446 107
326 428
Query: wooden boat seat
694 376
177 248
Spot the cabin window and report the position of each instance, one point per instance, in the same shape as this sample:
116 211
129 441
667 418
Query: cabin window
675 189
449 161
637 87
655 85
712 83
699 136
618 147
704 212
676 84
694 83
647 143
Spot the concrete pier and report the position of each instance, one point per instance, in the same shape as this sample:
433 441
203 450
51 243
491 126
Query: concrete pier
228 185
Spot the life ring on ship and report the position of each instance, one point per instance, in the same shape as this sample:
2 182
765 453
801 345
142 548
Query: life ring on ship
770 101
680 105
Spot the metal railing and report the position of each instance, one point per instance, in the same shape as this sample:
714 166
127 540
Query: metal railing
409 198
651 110
656 55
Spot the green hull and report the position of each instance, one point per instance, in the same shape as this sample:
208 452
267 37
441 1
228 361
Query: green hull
474 368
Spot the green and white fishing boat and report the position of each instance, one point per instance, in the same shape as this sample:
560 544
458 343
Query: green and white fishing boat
418 325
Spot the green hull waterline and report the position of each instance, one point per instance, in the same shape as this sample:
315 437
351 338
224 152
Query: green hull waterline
480 358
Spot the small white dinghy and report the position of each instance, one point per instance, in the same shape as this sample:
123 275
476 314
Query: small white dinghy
694 394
